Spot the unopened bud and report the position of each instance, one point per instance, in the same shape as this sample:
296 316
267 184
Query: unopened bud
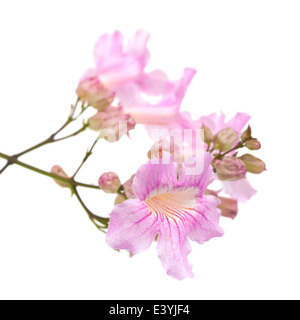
128 188
57 170
247 134
112 123
228 207
230 169
91 91
225 139
165 145
208 136
253 164
109 182
253 144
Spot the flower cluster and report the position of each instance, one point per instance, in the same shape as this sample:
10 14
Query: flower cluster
169 199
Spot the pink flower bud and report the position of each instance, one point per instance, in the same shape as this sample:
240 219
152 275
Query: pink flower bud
91 91
253 164
112 123
109 182
165 145
225 139
230 169
60 172
228 206
253 144
128 187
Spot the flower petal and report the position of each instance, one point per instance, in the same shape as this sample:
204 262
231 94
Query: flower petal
132 226
155 177
108 50
145 112
197 172
238 122
240 190
173 248
153 83
138 46
206 222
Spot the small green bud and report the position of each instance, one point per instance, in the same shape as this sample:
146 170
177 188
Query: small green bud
253 164
225 139
208 136
253 144
247 134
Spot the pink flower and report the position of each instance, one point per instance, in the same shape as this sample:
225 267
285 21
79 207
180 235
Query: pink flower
120 71
136 96
172 206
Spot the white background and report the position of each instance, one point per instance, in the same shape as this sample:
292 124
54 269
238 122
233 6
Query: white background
247 54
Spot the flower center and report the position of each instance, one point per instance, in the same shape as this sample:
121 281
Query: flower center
173 205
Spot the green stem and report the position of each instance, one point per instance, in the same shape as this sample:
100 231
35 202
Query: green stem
69 181
73 185
238 146
52 138
88 154
91 215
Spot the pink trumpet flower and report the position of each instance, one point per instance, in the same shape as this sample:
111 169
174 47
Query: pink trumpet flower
169 203
119 73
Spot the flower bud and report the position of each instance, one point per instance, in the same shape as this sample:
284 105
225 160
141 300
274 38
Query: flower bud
91 91
165 145
253 144
253 164
112 123
225 139
109 182
128 188
228 206
208 136
247 134
60 172
230 169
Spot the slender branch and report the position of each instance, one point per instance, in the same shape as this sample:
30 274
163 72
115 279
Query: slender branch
52 138
91 215
73 134
69 181
238 146
88 154
73 185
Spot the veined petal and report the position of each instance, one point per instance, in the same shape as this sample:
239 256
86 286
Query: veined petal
240 190
206 223
132 226
155 178
173 249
